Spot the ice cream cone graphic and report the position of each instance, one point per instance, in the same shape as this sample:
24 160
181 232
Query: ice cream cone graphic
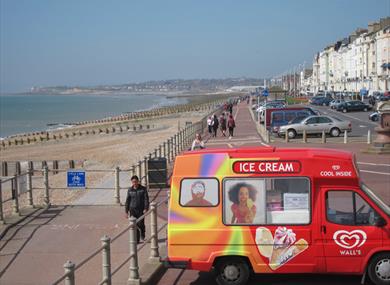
281 248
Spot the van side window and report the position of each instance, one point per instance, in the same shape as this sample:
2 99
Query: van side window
349 208
266 201
199 192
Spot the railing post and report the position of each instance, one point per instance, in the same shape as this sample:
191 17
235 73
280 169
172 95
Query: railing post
140 170
1 204
304 136
154 254
117 185
46 198
146 171
165 149
323 137
345 137
69 267
29 187
159 150
15 195
106 263
133 263
369 137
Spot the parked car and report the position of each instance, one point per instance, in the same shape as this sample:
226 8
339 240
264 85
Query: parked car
321 101
335 103
315 125
283 117
353 106
384 97
271 105
374 117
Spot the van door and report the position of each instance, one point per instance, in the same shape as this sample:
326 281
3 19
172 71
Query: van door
348 229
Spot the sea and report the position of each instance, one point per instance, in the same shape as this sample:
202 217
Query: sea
24 113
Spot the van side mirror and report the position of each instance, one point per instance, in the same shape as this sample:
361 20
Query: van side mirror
380 222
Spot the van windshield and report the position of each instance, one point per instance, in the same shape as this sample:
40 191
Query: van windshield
376 199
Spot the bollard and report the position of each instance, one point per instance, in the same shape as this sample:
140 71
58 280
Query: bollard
15 195
46 198
29 187
155 152
323 136
304 136
268 138
345 137
286 137
369 137
1 204
133 263
117 186
154 254
106 260
69 267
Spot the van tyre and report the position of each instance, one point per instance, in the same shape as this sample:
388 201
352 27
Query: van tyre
335 132
379 269
291 133
232 271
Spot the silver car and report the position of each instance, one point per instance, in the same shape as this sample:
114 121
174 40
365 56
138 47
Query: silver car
315 125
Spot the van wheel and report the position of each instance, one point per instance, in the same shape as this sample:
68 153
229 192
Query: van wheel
335 132
291 133
323 104
365 109
232 271
344 110
379 269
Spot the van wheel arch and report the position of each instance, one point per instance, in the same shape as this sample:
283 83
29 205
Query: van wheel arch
240 263
374 265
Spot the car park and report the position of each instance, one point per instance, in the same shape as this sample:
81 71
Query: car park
353 106
316 125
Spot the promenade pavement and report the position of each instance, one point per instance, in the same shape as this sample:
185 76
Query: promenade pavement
34 251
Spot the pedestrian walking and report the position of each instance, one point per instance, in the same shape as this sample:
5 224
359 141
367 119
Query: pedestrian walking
222 123
197 143
210 124
215 125
137 204
231 125
231 108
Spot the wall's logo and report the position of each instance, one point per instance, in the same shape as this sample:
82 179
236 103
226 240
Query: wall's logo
335 167
351 239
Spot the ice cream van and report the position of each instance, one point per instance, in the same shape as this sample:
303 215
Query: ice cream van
272 210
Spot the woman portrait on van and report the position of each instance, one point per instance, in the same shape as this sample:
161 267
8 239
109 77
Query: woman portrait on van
243 196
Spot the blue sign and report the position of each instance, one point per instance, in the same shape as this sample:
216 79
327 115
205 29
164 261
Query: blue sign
76 179
265 92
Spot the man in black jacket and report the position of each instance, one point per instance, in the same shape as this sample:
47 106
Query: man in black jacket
137 203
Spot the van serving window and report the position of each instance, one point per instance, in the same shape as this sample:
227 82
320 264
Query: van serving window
266 201
199 192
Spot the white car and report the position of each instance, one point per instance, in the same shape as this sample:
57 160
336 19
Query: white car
316 125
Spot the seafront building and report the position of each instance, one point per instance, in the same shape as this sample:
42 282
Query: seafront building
359 61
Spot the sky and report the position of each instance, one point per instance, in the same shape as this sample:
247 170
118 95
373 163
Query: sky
88 43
